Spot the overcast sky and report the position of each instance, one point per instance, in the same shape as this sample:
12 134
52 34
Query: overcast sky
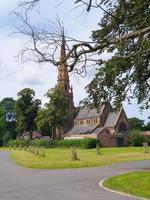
15 76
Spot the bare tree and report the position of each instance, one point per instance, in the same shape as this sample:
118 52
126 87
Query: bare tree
125 35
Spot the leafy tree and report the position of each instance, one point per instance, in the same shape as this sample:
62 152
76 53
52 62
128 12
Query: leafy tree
136 139
57 110
124 31
136 124
43 121
147 127
126 74
2 125
26 111
7 120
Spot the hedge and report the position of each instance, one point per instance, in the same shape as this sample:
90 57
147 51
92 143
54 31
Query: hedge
87 143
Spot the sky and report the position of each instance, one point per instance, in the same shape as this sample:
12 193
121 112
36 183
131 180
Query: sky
15 76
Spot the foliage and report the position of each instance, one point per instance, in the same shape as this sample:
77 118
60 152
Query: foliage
135 139
7 120
43 121
26 110
57 109
125 76
87 143
147 127
18 143
136 124
43 143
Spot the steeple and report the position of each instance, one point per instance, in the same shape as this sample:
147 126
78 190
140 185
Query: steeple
63 82
63 77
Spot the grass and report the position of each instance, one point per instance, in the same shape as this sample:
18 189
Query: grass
135 183
61 158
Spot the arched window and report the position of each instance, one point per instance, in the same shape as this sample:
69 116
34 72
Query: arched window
122 128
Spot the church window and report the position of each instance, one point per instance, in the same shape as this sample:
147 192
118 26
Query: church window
81 122
88 121
122 128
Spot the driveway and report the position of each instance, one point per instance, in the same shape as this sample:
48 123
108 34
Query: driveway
71 184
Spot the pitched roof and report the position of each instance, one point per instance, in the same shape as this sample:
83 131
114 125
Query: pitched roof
85 113
98 130
111 119
81 130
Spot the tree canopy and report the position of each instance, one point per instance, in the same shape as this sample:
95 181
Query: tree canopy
7 120
26 111
124 33
57 109
136 124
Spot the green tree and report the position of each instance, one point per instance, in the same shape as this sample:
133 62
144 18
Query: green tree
136 124
147 127
26 111
125 76
43 121
57 110
7 120
2 125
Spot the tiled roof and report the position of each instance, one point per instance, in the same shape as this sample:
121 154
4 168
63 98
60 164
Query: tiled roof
81 130
98 130
86 113
111 120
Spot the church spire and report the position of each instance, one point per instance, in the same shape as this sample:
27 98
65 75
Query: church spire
63 82
63 47
63 77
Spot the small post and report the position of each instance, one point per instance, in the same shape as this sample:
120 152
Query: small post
145 146
74 155
98 149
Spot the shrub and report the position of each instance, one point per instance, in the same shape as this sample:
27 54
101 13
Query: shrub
135 139
87 143
18 143
43 143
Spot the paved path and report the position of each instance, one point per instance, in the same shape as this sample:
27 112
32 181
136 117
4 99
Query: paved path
71 184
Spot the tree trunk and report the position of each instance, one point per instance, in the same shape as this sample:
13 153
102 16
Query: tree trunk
31 134
53 136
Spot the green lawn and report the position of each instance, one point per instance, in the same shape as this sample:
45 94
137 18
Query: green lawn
135 183
61 158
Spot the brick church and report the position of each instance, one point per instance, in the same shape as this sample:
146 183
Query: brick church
109 126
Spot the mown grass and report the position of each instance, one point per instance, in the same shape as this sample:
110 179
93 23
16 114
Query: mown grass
135 183
61 158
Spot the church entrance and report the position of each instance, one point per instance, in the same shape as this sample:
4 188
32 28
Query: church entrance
120 142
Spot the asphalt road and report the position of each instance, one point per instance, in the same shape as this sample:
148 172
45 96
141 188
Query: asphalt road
71 184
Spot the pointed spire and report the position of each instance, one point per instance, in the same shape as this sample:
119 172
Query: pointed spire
63 44
63 77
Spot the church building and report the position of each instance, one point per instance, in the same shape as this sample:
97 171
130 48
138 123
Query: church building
109 126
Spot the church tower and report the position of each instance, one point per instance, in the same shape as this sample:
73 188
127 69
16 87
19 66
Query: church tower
64 83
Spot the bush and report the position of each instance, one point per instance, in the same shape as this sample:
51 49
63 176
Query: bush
43 143
135 139
87 143
18 143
